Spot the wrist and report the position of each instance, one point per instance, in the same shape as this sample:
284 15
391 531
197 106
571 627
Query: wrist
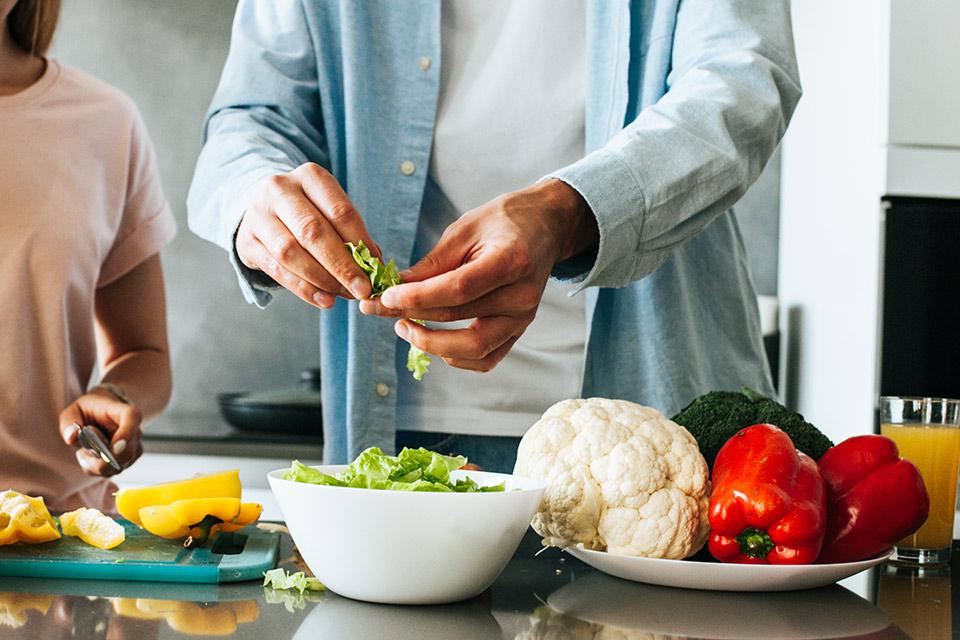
571 218
113 390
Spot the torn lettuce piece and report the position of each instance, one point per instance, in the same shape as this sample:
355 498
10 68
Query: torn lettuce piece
281 579
382 277
299 472
417 362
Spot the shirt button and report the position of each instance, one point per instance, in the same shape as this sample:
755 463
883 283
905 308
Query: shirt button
407 168
425 63
382 389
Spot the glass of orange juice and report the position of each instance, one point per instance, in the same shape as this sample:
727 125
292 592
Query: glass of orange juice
927 432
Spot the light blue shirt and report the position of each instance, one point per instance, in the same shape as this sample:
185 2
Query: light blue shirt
686 101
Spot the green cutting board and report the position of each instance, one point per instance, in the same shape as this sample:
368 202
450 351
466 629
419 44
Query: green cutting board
230 557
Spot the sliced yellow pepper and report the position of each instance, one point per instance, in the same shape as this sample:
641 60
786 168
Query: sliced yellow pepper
93 527
25 519
198 518
225 484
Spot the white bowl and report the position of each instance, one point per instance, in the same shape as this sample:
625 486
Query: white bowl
401 547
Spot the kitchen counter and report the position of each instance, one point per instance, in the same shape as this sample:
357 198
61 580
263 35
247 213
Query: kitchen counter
549 596
206 436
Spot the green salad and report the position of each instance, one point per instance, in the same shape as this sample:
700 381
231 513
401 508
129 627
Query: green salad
410 470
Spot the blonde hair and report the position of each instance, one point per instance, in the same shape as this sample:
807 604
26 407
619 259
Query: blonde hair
32 23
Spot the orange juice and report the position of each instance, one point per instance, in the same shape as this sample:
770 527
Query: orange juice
935 449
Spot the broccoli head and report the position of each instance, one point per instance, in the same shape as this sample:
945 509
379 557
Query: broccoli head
715 417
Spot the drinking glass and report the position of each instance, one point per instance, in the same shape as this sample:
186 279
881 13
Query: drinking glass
927 432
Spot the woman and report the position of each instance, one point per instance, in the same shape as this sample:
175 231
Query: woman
82 219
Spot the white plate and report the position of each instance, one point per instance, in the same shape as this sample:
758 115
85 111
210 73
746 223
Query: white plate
719 576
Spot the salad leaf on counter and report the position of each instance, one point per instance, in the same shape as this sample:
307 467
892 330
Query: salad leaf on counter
410 470
280 579
382 277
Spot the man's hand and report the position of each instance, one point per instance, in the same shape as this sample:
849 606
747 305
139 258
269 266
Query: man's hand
492 265
294 232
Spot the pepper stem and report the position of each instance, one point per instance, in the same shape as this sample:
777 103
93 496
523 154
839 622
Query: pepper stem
755 543
205 527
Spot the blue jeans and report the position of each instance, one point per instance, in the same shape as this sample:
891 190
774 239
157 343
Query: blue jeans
491 453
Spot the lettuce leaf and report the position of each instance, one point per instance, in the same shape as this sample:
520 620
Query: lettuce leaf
410 470
299 472
280 579
382 277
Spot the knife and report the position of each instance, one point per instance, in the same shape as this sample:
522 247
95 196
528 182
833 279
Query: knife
90 438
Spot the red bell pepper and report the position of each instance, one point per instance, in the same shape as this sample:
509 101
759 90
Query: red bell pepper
768 504
874 498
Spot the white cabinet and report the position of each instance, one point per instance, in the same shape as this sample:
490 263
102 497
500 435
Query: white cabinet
924 73
880 115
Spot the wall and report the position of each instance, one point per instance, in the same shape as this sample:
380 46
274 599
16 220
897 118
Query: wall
168 56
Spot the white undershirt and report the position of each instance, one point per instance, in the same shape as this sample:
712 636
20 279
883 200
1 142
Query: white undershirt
511 110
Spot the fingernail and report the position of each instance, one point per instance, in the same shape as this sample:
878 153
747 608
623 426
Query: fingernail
402 329
119 446
71 433
387 299
322 299
82 459
359 286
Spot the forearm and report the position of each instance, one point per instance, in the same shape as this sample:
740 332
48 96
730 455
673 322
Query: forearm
144 378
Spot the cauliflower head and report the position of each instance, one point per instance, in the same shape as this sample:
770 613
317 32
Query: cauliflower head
620 477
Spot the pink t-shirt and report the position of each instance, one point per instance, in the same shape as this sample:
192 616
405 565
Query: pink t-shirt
80 206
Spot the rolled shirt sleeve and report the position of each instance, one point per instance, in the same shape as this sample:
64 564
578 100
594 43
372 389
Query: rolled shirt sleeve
692 154
147 223
265 119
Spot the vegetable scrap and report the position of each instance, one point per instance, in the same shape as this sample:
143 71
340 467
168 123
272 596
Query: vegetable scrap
382 277
93 527
281 579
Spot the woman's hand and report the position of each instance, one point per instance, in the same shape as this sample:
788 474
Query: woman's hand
118 420
294 231
492 265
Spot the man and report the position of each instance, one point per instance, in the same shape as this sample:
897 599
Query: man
493 144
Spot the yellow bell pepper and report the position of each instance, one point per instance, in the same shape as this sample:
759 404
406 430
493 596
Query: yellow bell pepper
25 519
198 518
225 484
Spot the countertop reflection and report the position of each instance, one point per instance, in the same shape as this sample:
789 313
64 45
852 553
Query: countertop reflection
551 596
